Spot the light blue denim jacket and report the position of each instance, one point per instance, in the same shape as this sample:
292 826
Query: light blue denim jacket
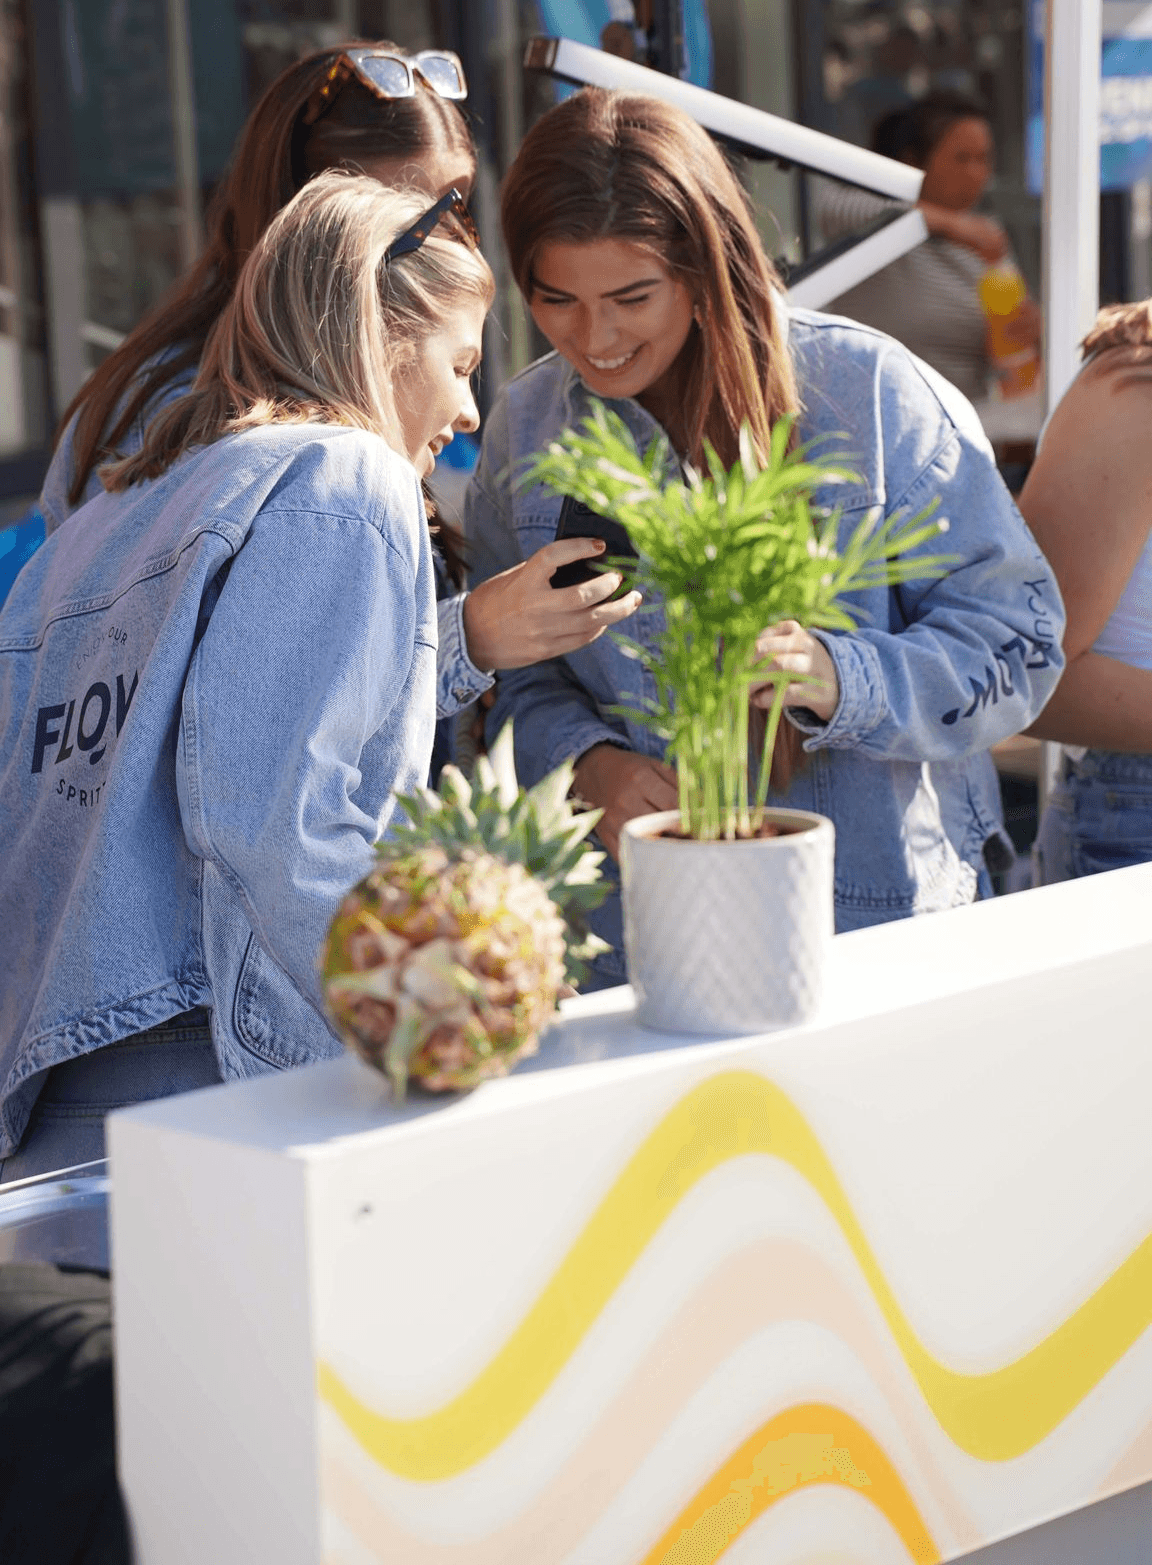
211 687
936 672
458 681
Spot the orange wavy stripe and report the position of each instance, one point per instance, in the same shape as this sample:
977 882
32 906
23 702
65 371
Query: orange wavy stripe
772 1280
805 1445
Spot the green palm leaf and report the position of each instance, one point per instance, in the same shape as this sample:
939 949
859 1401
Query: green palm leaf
727 552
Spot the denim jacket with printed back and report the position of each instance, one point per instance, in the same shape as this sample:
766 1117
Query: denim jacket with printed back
937 671
458 680
211 687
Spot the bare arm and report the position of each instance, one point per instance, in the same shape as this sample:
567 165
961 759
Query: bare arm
1088 500
984 235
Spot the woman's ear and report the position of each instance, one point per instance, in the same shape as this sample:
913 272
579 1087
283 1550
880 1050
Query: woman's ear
405 360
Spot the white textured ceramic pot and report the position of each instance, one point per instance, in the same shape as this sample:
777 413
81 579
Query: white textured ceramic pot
727 936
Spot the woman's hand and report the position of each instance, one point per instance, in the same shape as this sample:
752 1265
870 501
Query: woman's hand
518 618
1024 326
788 649
623 785
983 235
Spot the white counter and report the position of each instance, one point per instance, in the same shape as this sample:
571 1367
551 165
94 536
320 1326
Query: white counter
870 1290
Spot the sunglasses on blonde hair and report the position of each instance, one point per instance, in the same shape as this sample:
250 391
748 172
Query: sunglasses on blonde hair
450 210
389 74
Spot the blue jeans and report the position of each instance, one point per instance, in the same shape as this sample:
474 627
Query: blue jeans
1098 817
67 1124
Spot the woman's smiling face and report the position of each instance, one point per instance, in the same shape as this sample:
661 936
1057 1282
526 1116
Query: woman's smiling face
613 310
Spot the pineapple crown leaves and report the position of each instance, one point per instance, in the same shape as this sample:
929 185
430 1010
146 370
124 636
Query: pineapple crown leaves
535 827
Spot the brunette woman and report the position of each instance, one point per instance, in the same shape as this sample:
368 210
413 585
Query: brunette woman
375 110
636 252
928 298
215 677
1088 501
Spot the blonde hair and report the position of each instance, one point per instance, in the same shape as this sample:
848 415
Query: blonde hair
318 323
1120 326
275 156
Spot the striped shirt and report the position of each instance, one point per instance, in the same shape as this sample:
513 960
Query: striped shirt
927 299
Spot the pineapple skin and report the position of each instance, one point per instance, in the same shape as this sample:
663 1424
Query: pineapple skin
444 970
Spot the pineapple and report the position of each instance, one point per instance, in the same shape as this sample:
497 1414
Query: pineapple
444 964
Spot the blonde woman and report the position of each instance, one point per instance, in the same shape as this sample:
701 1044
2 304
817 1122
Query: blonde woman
371 109
215 676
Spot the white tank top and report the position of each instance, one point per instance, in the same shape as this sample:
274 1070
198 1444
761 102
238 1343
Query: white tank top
1127 637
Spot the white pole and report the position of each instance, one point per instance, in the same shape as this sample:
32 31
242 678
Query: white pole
1071 209
1071 185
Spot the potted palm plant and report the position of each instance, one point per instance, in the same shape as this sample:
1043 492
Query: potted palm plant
727 903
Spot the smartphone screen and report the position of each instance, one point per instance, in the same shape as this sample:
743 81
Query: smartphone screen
579 521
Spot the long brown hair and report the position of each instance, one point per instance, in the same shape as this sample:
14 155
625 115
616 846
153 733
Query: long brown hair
274 157
615 165
318 323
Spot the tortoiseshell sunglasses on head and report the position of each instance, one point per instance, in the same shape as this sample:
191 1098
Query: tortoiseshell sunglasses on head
451 206
390 74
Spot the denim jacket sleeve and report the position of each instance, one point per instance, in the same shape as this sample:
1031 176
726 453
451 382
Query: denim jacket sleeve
556 718
301 711
458 681
967 659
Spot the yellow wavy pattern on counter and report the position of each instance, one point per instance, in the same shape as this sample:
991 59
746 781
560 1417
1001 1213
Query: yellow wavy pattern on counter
994 1416
806 1445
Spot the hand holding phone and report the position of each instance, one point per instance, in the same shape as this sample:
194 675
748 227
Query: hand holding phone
580 521
515 619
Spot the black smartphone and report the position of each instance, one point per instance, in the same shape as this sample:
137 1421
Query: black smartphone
580 521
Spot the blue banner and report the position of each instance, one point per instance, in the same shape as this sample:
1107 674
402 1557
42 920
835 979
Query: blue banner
584 20
1125 98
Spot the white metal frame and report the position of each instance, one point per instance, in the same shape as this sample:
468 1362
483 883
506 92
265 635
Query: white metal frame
832 279
770 135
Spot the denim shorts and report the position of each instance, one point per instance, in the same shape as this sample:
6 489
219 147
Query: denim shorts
67 1123
1098 817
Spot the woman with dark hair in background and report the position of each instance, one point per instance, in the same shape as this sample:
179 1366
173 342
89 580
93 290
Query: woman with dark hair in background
928 299
372 109
638 257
